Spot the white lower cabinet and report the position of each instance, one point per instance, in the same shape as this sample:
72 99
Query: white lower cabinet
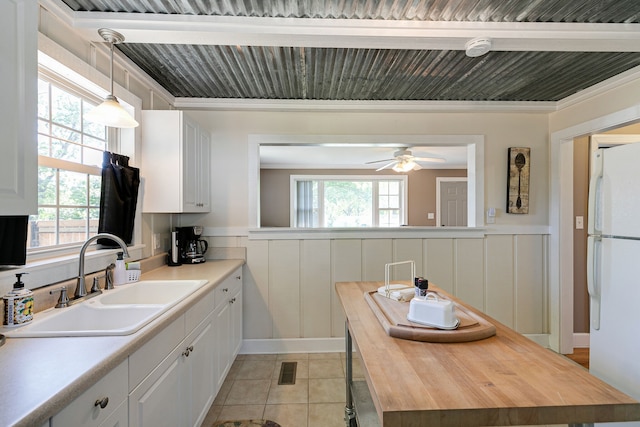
228 324
173 378
103 404
180 390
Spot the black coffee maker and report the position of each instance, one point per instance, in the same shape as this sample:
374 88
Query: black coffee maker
191 248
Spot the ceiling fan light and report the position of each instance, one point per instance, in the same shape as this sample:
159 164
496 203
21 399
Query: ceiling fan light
111 113
404 166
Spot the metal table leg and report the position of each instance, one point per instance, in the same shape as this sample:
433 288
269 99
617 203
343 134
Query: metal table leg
349 410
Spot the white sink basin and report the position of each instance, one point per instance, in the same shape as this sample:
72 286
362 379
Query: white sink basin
151 292
121 311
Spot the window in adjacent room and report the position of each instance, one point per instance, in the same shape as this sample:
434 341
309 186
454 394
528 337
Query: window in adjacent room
69 165
348 201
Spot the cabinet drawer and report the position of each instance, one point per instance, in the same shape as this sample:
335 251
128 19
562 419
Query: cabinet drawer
142 362
229 287
199 311
85 410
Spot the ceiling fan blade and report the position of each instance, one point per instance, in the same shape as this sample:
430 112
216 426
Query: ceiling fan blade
430 159
378 161
416 167
387 165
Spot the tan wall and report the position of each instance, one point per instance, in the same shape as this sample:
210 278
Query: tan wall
275 192
580 208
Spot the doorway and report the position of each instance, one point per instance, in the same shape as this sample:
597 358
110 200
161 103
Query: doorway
561 253
451 202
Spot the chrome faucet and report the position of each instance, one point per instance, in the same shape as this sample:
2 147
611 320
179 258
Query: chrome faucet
81 288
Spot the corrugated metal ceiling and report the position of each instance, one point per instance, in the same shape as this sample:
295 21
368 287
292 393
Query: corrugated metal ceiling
313 73
602 11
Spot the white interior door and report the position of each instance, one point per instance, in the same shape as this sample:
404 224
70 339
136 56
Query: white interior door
451 195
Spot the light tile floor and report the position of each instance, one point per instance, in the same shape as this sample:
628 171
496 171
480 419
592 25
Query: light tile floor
317 398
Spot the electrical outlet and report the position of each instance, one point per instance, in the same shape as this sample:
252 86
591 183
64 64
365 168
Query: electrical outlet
430 215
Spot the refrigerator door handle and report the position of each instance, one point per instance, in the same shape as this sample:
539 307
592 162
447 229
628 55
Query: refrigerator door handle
594 181
593 285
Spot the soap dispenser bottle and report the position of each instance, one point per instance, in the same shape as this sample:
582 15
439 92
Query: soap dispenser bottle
18 304
120 272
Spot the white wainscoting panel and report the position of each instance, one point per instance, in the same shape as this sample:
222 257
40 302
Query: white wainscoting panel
407 250
346 266
530 284
284 288
257 322
315 273
469 271
500 279
375 254
289 285
439 262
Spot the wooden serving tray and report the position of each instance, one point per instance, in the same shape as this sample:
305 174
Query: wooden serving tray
392 315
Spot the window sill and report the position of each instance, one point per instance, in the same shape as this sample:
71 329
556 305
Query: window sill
45 271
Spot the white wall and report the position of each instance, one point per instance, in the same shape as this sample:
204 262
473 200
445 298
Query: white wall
231 130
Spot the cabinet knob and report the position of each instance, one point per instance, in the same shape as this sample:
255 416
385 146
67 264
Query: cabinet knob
225 289
187 351
232 300
238 277
102 403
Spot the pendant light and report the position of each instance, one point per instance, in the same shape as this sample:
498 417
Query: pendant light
110 112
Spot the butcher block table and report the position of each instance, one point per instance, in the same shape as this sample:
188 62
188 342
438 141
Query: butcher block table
505 379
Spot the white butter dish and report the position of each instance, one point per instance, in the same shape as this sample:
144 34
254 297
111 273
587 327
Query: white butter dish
433 311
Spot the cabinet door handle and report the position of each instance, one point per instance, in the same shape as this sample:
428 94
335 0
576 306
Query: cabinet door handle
232 300
187 351
102 403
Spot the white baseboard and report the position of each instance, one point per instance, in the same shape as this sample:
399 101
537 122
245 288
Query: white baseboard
292 345
581 340
542 339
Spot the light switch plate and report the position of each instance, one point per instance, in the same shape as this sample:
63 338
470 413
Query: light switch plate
579 222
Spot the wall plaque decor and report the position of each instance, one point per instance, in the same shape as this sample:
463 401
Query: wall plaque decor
518 180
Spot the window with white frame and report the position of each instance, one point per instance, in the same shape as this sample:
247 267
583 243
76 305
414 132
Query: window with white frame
70 153
348 201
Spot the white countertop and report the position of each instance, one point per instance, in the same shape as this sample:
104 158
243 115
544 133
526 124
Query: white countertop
40 376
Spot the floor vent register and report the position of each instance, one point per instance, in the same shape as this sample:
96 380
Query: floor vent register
288 373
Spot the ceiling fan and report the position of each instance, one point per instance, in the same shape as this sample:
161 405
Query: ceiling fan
404 161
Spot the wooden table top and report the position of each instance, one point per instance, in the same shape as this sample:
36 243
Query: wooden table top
506 379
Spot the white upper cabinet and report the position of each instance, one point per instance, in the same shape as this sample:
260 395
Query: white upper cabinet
176 161
18 110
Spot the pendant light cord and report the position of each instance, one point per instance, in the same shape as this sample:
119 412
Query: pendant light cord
111 66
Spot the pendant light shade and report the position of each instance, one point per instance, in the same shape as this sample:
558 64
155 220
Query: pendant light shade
110 112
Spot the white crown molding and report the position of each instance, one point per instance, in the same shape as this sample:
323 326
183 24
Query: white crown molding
600 88
373 106
354 33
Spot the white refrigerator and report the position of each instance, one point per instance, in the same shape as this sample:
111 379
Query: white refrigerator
613 262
